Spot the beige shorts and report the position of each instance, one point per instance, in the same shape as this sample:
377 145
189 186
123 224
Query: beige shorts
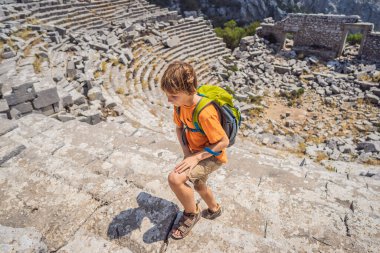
199 173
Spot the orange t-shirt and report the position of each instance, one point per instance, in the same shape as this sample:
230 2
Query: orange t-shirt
210 123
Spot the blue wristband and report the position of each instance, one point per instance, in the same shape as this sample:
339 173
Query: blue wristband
212 152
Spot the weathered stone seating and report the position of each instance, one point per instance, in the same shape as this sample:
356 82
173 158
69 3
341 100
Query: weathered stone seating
114 176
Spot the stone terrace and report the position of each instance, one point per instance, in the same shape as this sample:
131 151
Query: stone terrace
74 15
91 177
103 188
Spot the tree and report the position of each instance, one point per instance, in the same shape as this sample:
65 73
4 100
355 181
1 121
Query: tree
232 33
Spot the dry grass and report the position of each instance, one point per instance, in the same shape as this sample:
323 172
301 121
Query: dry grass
145 85
11 44
137 65
331 168
27 50
97 74
128 74
373 161
37 64
33 21
301 147
376 77
255 99
23 34
153 111
315 139
114 61
103 67
256 112
36 42
321 156
120 90
370 78
365 78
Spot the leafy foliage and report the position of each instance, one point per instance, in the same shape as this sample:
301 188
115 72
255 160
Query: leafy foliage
354 38
232 33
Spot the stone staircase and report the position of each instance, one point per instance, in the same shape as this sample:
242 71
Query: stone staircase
76 15
74 187
199 46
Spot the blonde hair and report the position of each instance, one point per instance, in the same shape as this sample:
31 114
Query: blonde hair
179 77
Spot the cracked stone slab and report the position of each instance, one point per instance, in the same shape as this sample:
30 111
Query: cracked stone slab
138 221
7 126
21 240
104 188
30 198
9 149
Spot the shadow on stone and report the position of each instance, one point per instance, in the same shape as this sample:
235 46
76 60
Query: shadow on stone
159 211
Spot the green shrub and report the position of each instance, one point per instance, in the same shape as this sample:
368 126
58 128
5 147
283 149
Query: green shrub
293 97
251 28
354 38
232 33
234 68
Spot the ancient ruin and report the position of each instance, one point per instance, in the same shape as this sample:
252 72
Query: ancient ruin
87 139
323 34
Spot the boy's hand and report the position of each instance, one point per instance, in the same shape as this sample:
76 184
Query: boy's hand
188 163
186 154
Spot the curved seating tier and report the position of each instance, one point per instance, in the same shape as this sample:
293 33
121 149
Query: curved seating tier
139 79
76 15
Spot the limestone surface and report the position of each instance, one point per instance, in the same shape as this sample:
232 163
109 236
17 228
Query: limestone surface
103 188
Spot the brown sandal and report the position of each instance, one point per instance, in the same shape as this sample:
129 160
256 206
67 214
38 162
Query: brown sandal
185 224
208 214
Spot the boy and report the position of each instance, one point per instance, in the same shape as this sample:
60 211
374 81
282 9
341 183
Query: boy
203 153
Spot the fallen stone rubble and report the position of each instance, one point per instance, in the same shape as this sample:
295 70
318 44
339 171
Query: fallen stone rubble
348 90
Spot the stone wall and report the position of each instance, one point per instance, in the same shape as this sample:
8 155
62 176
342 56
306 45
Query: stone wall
27 97
320 33
371 47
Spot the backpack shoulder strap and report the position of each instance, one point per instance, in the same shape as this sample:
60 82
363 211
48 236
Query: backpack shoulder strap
198 109
177 109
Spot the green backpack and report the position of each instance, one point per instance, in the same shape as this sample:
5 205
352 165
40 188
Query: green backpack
222 101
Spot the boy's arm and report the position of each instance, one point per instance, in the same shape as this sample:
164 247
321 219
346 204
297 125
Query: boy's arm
217 147
185 148
194 159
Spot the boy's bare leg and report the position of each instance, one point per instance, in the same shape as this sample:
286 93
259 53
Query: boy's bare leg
183 191
206 194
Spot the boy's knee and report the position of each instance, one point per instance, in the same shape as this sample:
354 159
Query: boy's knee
174 178
200 186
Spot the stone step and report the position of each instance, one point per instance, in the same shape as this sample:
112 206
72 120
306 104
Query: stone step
193 31
182 26
200 51
192 48
114 175
40 177
9 149
186 44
